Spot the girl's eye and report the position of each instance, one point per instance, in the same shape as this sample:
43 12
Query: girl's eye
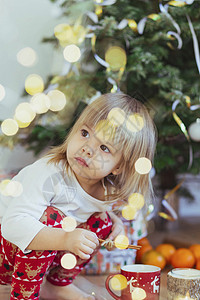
104 148
84 133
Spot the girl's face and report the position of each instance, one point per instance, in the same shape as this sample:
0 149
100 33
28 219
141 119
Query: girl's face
92 157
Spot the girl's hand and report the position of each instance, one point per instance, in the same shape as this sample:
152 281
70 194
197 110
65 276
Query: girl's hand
81 242
117 228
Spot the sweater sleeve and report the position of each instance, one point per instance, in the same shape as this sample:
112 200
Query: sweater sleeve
20 223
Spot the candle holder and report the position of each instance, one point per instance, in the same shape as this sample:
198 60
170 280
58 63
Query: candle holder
183 283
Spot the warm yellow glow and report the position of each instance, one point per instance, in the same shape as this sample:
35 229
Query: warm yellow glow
40 103
136 200
135 122
116 58
138 294
63 32
69 224
116 116
24 112
132 24
121 241
177 3
105 131
154 17
187 297
98 10
34 84
3 185
9 127
21 124
68 261
118 282
2 92
129 212
14 188
143 165
27 57
72 53
57 100
67 34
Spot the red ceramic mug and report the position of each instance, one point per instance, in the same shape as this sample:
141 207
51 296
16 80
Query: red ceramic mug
143 282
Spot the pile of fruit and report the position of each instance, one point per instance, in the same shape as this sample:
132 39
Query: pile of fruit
167 254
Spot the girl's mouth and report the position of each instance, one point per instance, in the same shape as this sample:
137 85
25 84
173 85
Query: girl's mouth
81 161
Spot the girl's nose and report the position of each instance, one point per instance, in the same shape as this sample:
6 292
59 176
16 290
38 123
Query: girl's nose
87 150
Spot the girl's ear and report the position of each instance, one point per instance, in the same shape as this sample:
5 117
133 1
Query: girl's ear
117 171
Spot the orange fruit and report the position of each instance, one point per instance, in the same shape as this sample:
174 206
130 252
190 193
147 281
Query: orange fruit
143 241
153 257
167 250
195 250
198 264
183 258
142 250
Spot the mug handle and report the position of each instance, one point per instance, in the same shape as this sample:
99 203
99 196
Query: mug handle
108 288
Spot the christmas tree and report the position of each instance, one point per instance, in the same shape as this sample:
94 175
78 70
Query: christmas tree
147 49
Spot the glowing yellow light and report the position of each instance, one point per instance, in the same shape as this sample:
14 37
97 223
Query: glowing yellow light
116 116
3 185
69 35
2 92
68 261
21 124
177 3
27 57
187 297
63 32
57 100
121 241
143 165
132 24
40 103
14 188
118 282
135 122
69 224
98 10
116 58
104 130
136 200
9 127
72 53
154 17
34 84
138 294
129 212
24 112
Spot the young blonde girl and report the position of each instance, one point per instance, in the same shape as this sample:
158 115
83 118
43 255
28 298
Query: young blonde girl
82 178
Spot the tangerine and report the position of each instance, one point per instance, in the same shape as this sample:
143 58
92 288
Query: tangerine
167 250
141 251
183 258
143 241
198 264
153 257
195 248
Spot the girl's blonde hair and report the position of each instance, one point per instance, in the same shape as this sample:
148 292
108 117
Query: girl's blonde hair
132 144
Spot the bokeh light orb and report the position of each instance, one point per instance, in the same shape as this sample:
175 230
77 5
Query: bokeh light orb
3 185
34 84
57 100
138 294
40 103
116 58
136 200
116 116
24 112
27 57
72 53
118 282
2 92
129 212
68 261
135 122
105 131
143 165
69 224
14 188
121 241
22 124
9 127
